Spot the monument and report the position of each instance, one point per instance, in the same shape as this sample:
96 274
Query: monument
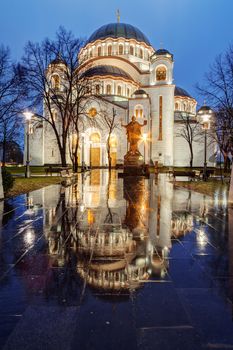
133 160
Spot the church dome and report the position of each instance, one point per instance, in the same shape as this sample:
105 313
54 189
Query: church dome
179 92
107 71
118 30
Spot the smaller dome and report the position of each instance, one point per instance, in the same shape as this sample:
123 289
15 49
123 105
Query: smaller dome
162 52
58 60
139 93
106 70
181 92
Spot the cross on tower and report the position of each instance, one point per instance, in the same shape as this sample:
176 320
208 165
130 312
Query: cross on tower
118 15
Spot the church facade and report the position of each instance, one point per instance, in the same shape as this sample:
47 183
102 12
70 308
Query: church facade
133 79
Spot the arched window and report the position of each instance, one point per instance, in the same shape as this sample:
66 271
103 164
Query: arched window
121 49
141 53
109 89
95 137
99 52
109 50
91 53
97 89
161 73
184 107
138 111
131 50
119 90
176 106
128 92
55 81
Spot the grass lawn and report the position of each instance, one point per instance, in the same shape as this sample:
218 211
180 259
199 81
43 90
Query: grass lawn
209 187
23 185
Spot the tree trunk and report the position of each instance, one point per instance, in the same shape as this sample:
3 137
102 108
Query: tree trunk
4 152
191 155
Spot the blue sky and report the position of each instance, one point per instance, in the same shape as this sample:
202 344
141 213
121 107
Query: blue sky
195 31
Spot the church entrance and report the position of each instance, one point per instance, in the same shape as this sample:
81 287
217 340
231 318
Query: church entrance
95 150
95 156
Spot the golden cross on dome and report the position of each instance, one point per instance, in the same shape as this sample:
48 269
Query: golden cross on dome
118 16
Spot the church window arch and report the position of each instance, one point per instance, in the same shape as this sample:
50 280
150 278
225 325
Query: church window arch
138 111
91 54
131 50
109 89
95 137
55 81
97 89
176 106
184 107
121 49
128 92
109 50
161 73
99 51
119 90
140 53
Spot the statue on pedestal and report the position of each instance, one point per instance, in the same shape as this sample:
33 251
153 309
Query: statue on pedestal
133 158
133 132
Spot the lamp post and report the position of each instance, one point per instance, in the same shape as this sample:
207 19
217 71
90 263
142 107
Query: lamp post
144 138
204 116
28 116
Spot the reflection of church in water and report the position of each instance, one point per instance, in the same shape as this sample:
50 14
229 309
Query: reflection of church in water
121 234
128 74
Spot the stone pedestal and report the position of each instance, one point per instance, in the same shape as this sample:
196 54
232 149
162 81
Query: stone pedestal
133 163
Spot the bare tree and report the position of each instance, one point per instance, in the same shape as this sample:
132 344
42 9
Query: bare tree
189 130
57 86
10 132
12 91
217 89
110 122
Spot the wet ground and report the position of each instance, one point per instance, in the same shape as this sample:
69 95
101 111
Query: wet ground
116 264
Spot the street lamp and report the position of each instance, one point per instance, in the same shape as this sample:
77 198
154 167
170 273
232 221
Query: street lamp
144 138
204 116
28 116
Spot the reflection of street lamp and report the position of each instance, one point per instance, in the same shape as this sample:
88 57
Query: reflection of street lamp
204 117
144 138
83 163
28 116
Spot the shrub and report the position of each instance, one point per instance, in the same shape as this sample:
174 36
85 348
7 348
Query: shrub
7 180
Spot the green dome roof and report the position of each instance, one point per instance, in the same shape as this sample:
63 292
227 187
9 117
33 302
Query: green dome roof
118 30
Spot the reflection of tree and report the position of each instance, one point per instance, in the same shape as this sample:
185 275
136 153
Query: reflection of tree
109 219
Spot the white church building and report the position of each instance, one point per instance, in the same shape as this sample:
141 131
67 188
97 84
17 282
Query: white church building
134 78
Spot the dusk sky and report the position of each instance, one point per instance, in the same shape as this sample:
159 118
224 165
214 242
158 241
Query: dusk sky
195 31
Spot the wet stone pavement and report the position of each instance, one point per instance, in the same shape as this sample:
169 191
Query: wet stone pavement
112 264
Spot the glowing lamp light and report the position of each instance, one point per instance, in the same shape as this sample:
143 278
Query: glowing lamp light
28 115
144 137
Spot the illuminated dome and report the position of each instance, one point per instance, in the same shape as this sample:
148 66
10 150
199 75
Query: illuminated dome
107 71
118 30
181 92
